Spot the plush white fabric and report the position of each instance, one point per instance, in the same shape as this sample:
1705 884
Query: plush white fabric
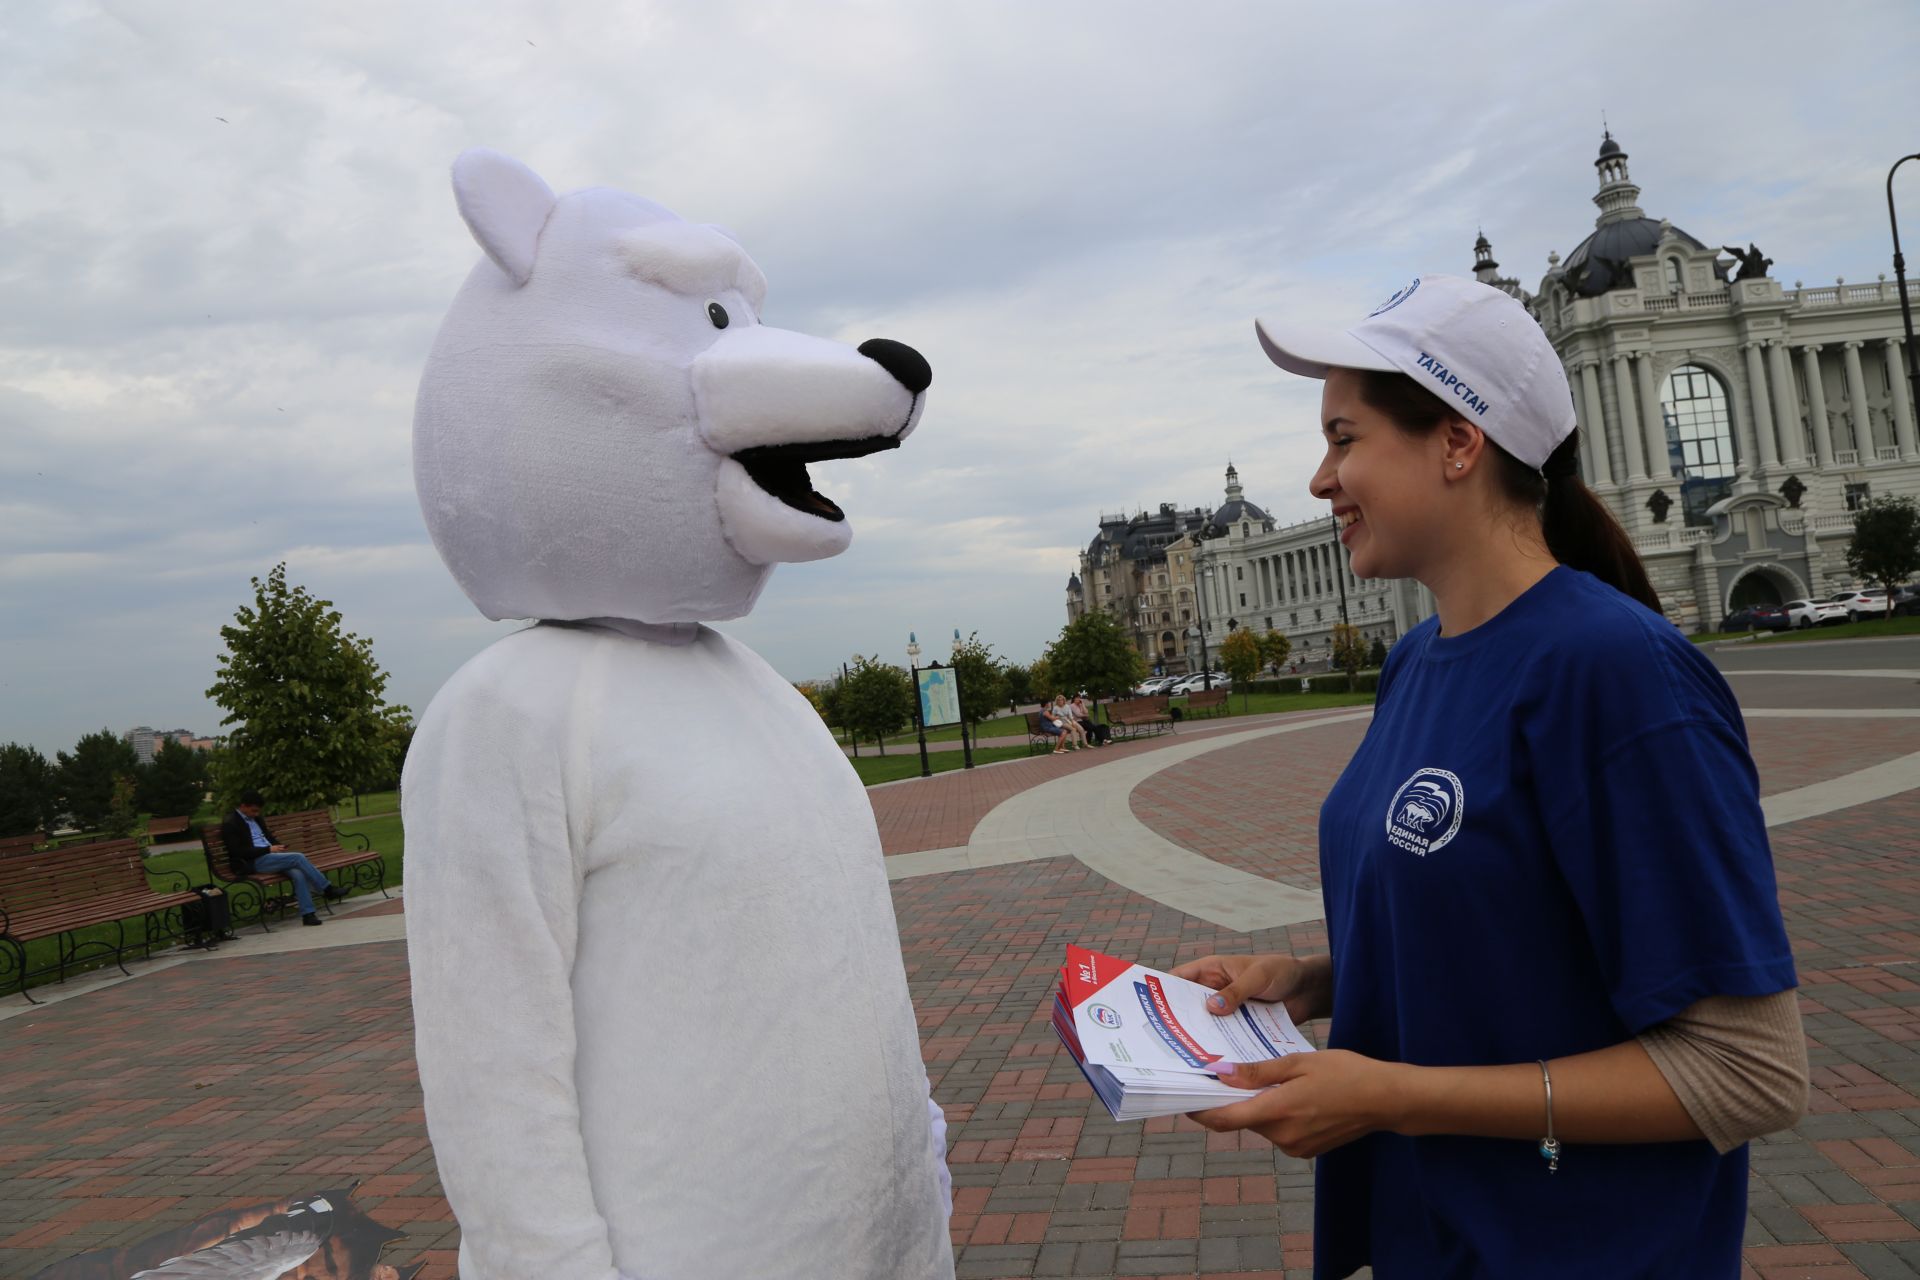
661 1013
565 464
661 1016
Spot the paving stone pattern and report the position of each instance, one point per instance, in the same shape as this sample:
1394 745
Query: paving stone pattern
214 1085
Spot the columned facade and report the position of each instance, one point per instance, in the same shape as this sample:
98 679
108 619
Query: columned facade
1731 423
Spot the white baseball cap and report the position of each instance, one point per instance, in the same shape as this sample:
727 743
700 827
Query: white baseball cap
1469 343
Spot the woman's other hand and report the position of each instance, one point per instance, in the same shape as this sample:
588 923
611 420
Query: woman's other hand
1310 1103
1304 986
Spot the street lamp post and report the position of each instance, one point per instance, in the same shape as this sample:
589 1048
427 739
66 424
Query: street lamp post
1339 576
919 721
1339 565
966 746
1900 283
1206 668
844 677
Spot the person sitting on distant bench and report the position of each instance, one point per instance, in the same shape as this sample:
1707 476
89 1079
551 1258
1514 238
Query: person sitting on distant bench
252 851
1083 716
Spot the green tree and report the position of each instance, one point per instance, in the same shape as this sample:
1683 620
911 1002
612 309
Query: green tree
876 699
304 698
29 791
1094 653
1886 543
814 692
1275 649
174 782
123 815
86 777
983 681
1019 685
1040 680
1349 649
1240 655
1377 656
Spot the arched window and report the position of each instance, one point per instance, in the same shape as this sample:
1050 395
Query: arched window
1676 280
1699 438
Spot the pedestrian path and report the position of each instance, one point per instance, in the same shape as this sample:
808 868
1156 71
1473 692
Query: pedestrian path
283 1064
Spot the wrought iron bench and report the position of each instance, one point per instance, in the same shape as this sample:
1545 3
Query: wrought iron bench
1131 717
13 845
169 828
311 831
1037 736
1207 702
56 893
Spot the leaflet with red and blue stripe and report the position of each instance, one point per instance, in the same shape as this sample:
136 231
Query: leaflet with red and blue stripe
1123 1014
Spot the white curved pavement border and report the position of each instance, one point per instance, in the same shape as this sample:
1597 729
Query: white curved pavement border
1089 816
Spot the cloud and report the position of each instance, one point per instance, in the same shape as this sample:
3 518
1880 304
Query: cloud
226 239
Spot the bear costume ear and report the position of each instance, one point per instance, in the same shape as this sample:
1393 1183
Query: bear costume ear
505 204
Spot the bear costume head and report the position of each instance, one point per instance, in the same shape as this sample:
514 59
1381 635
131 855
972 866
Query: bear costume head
605 430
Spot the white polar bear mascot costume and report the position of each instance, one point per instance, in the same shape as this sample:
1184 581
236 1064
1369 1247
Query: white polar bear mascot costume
662 1019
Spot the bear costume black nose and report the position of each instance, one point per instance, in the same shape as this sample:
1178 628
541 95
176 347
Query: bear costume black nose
908 367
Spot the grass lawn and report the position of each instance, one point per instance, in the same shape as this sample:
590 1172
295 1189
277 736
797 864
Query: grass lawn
372 804
1256 704
1015 726
1006 726
899 764
1845 631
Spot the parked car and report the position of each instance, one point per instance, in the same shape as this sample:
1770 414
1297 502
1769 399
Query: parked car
1154 684
1906 602
1860 604
1815 613
1195 682
1757 617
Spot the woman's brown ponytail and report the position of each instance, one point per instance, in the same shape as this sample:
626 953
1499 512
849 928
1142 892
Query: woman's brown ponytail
1581 532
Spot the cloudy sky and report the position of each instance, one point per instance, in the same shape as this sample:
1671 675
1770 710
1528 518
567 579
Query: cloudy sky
226 238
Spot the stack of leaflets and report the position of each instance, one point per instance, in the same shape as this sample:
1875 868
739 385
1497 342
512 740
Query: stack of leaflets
1144 1039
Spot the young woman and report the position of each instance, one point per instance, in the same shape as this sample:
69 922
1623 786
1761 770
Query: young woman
1071 734
1560 986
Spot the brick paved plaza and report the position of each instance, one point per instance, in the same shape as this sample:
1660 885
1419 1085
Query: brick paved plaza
235 1079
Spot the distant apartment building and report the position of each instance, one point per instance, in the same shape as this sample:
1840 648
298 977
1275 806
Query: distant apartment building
146 740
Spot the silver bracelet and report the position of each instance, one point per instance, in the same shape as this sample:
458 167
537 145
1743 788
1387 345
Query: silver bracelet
1549 1145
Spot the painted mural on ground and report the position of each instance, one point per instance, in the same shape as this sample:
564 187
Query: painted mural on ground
322 1236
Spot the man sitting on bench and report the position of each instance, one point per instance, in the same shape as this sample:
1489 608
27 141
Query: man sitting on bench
252 851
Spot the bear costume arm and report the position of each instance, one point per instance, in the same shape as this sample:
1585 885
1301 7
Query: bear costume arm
493 889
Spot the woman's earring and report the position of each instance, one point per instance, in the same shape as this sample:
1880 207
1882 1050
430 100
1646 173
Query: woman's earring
1459 466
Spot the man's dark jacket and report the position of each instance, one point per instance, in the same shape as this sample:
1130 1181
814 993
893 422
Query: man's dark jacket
239 840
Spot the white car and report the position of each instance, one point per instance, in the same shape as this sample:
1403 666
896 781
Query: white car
1814 613
1195 682
1859 604
1152 685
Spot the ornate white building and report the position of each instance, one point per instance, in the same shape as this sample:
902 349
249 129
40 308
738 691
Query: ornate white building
1167 575
1732 424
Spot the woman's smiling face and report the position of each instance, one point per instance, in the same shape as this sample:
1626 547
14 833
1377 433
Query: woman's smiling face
1387 487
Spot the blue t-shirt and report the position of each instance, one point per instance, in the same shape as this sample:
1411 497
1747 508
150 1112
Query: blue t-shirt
1549 841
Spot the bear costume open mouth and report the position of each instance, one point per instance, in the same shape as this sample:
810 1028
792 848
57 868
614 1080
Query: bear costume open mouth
781 469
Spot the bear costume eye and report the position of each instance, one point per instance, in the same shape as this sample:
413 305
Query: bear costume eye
717 314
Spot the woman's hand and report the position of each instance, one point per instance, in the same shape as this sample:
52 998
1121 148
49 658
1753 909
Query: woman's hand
1304 986
1310 1103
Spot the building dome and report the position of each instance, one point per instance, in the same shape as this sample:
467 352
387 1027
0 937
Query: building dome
1232 513
1599 263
